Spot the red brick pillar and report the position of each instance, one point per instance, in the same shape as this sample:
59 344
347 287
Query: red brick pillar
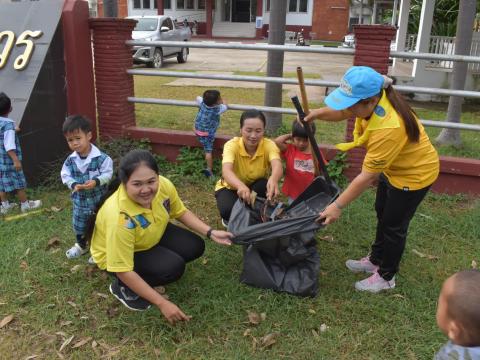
113 85
259 32
160 7
372 48
209 19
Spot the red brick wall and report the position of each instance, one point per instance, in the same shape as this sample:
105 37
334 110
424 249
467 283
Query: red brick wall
122 8
330 19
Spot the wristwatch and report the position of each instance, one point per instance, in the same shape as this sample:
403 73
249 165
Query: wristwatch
209 233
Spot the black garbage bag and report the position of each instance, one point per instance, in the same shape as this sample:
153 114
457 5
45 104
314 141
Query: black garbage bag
279 241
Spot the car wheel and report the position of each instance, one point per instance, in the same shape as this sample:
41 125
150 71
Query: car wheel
157 62
182 56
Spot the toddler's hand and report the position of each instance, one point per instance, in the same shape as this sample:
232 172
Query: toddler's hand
78 187
18 165
90 184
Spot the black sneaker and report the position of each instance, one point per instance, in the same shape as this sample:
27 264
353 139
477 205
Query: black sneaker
128 298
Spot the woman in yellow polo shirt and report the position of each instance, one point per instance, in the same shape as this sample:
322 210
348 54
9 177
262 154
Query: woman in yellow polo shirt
399 156
134 240
250 162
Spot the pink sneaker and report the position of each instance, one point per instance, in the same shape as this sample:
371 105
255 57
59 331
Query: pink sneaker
362 265
375 284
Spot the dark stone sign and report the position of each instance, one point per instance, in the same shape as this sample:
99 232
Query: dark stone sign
32 74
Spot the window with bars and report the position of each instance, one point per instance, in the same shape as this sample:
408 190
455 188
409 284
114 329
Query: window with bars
298 6
180 4
167 4
137 4
146 4
201 4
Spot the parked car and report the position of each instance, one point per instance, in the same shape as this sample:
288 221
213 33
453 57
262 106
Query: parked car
349 42
159 28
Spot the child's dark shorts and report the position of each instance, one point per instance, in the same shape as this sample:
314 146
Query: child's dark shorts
207 142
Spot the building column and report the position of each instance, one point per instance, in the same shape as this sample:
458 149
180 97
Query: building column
372 48
208 9
160 7
394 12
258 32
424 31
402 28
112 58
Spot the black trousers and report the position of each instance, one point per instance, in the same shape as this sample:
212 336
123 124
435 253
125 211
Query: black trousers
395 208
226 198
165 262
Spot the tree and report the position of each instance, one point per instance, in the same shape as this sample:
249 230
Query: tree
276 36
463 43
110 8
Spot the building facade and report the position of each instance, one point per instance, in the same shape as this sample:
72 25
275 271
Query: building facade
319 19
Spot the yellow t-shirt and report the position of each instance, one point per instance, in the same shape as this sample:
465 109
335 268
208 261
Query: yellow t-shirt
248 168
407 165
123 227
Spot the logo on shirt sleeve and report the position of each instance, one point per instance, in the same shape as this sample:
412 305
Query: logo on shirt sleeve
127 222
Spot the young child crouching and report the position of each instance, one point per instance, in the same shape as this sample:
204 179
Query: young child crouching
458 316
87 172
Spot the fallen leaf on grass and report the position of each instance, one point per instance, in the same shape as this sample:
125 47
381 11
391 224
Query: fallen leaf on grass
323 328
66 343
6 320
204 261
425 216
263 316
94 344
24 256
328 238
399 296
53 242
102 295
311 311
26 295
315 334
160 289
247 332
422 255
54 251
210 340
55 209
474 264
71 303
61 333
31 357
81 342
75 268
269 340
23 265
65 323
254 318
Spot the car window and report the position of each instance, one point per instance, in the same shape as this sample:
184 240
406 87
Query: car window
168 23
146 24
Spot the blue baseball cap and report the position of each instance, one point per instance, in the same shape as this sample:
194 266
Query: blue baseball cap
358 83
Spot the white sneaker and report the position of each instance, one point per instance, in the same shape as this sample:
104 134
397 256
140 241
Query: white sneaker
375 284
362 265
75 251
30 205
4 209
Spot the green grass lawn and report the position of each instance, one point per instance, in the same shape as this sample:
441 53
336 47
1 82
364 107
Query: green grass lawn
181 118
52 299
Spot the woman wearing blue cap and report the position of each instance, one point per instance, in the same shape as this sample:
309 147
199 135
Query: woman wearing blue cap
399 156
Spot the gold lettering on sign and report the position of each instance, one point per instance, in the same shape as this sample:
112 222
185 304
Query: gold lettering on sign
7 49
22 61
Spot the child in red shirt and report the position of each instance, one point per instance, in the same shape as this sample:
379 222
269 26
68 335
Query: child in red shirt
300 169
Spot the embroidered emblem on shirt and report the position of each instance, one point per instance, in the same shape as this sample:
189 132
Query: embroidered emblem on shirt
144 223
380 111
127 222
166 205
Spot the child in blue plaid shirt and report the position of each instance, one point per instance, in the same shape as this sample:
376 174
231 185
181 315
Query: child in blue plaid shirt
206 123
87 172
11 173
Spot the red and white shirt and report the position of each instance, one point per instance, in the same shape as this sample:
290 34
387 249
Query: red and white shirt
299 172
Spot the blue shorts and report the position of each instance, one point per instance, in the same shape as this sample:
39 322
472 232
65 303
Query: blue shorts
80 219
11 180
207 142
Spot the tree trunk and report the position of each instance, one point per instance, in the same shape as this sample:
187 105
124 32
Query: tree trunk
463 43
110 8
276 36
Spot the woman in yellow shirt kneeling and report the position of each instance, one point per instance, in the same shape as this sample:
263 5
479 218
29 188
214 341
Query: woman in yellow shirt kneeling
134 239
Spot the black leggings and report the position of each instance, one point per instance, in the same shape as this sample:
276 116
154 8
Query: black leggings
165 262
395 208
226 198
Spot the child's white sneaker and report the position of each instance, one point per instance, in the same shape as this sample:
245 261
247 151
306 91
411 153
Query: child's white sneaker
75 251
30 205
6 207
362 265
375 284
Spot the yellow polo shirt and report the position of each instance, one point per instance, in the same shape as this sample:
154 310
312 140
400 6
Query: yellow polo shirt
123 227
248 168
407 165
